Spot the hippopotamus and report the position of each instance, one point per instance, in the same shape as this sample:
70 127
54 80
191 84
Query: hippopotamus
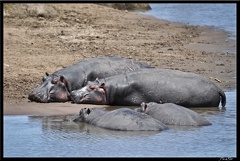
151 85
172 114
56 87
124 119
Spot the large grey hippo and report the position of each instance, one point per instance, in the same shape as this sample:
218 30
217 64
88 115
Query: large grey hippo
120 119
152 85
57 86
172 114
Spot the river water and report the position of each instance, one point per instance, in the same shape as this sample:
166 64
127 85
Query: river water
218 15
49 136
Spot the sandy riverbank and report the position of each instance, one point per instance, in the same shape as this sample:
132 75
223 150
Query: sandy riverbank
40 42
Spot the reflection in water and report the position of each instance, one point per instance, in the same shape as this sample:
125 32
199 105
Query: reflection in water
54 124
59 123
50 136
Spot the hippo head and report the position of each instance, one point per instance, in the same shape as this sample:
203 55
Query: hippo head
51 90
83 113
93 93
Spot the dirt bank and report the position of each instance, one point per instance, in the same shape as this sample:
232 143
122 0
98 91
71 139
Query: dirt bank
48 38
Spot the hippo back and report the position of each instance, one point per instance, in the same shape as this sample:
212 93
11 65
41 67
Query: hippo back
172 114
169 86
90 69
129 120
120 119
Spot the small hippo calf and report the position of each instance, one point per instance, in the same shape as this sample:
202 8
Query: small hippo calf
119 119
172 114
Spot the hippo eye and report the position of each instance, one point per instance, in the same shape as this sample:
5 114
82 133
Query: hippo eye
54 81
80 112
92 87
43 79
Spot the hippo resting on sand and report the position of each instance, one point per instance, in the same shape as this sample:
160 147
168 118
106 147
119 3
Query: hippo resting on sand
172 114
56 87
152 85
120 119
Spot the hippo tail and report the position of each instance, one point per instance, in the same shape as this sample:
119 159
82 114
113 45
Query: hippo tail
223 98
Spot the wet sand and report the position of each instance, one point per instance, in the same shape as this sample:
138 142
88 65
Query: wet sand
37 44
33 108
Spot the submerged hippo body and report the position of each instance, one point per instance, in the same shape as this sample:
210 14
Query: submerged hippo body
56 87
120 119
152 85
172 114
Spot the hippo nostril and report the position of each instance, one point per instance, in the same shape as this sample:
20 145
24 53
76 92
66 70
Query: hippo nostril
85 95
37 96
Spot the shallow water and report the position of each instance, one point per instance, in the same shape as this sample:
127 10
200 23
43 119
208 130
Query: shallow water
49 136
219 15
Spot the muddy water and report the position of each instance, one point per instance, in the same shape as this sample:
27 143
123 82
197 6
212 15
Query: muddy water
49 136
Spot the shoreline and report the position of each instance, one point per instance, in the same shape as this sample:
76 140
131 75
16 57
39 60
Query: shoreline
231 32
69 37
67 108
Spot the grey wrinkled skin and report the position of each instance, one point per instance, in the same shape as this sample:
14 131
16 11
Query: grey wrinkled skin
152 85
56 87
120 119
172 114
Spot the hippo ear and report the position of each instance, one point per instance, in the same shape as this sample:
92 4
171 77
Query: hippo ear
45 77
144 106
62 79
81 112
88 111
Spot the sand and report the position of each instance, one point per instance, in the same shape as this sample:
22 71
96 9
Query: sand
53 36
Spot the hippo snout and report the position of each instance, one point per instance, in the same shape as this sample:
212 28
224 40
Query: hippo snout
74 96
79 96
37 97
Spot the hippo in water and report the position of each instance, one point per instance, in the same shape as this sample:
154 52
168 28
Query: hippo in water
56 87
120 119
172 114
152 85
